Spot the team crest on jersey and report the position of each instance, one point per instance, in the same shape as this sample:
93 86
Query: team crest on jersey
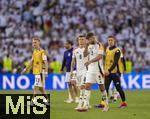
69 54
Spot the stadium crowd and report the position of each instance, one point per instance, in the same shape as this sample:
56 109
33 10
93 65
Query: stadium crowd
59 20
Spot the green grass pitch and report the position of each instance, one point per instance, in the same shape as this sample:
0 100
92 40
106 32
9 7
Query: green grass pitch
138 106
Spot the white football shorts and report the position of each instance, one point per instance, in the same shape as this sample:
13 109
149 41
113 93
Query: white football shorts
94 77
39 80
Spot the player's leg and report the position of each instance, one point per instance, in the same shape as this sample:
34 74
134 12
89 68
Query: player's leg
111 94
100 82
35 93
70 91
90 79
81 97
81 83
116 94
87 94
46 99
74 82
75 90
36 88
104 97
41 86
107 83
116 79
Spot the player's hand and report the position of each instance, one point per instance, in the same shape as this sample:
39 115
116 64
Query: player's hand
107 73
87 63
24 70
46 75
71 75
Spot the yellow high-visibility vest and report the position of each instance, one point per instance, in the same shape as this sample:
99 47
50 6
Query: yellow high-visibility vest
110 59
8 64
38 61
55 66
128 66
26 63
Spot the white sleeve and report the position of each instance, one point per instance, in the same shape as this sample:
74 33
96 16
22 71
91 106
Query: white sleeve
73 55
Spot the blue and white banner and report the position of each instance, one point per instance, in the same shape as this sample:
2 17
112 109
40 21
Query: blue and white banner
57 82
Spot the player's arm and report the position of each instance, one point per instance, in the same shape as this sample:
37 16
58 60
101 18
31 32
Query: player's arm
116 59
85 53
45 63
124 63
73 62
96 59
63 63
28 67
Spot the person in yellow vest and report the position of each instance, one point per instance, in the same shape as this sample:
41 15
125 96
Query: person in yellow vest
55 66
128 66
113 93
7 64
113 68
40 69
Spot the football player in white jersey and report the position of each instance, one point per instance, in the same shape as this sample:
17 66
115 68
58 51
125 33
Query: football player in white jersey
95 71
79 60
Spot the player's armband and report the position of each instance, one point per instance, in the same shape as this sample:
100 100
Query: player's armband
44 57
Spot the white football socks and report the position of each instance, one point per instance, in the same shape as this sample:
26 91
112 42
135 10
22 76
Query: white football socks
81 98
87 95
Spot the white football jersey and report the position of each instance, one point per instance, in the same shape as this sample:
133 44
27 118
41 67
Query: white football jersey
94 51
80 59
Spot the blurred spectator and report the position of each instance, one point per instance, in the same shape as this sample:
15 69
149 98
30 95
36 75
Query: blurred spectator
128 66
26 63
7 64
56 21
55 66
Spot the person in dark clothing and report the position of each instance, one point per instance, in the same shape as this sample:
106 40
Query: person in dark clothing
114 68
67 59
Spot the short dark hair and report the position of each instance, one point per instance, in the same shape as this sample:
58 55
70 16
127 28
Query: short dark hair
82 35
112 37
89 35
69 42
